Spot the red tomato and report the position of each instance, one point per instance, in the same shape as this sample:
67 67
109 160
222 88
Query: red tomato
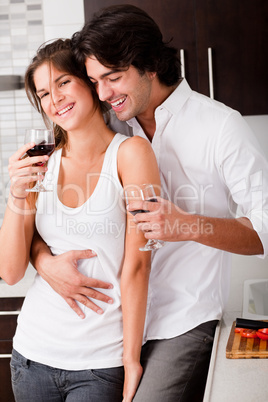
264 330
237 330
248 333
263 334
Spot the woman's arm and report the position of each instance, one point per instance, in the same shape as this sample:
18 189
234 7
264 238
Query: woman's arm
18 225
136 165
15 240
61 273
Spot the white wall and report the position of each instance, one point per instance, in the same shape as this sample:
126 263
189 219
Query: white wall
259 125
62 18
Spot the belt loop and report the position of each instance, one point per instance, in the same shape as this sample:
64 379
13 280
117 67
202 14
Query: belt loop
23 361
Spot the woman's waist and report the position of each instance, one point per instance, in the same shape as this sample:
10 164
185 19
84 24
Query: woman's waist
46 315
106 265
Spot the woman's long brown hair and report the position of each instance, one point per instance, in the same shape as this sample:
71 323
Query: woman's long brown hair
59 55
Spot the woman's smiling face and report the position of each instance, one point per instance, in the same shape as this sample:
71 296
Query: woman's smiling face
67 100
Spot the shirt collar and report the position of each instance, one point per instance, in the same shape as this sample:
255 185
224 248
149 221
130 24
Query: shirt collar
173 103
177 98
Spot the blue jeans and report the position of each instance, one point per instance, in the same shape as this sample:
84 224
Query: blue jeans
35 382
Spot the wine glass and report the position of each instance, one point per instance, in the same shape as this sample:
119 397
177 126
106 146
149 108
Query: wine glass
45 145
143 193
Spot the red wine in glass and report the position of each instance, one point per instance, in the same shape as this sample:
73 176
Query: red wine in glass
142 211
138 211
45 145
41 149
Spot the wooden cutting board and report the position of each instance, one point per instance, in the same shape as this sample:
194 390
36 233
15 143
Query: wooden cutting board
239 347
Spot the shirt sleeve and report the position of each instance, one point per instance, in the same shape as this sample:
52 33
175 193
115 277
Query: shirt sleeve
244 169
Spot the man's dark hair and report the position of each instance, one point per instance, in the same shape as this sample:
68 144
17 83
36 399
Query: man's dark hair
124 35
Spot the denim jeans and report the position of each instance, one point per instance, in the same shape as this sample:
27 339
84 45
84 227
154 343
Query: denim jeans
175 370
35 382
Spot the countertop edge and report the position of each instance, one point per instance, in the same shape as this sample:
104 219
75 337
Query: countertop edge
212 363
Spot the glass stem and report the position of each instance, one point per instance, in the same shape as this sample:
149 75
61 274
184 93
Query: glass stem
38 180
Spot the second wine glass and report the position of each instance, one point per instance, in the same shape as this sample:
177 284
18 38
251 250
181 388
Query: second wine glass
44 145
144 193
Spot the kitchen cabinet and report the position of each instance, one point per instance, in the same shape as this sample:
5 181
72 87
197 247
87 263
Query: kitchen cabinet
9 309
236 33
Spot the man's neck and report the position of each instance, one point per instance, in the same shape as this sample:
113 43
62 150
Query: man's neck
147 119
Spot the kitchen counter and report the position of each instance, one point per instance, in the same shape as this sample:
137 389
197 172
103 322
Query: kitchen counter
232 380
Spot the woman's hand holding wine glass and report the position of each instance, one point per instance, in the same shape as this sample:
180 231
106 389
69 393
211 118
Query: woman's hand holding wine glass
44 145
23 171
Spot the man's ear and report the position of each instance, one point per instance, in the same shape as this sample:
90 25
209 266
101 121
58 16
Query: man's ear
151 75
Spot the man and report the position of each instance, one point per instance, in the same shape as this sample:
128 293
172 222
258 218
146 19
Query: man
209 164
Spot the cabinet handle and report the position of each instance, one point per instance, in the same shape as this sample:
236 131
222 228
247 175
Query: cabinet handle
6 312
182 63
210 74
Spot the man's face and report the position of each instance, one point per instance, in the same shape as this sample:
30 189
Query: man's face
128 92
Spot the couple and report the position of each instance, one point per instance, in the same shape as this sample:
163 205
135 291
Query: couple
208 163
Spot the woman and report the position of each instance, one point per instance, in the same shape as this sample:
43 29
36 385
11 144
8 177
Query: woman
57 356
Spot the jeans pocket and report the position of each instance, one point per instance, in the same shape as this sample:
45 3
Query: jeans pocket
17 366
204 332
111 376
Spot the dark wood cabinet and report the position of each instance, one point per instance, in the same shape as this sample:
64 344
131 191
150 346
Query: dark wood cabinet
9 309
236 32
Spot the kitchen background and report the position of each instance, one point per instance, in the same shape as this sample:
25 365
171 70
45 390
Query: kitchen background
26 24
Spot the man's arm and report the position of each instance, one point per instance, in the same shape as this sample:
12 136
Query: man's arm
168 222
61 273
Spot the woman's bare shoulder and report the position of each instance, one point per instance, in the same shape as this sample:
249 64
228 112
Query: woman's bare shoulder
134 145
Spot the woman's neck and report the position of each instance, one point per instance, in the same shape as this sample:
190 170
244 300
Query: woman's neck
88 142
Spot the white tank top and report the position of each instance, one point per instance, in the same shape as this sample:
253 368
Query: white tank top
49 332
